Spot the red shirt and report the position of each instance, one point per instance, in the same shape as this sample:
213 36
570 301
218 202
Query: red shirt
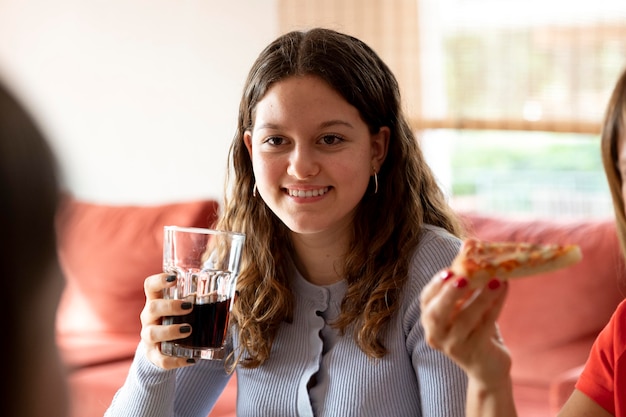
604 377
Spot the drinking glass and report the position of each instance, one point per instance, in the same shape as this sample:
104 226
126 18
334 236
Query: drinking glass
206 265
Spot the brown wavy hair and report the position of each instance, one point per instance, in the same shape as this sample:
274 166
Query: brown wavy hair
386 226
614 130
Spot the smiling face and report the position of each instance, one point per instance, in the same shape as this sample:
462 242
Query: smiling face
312 155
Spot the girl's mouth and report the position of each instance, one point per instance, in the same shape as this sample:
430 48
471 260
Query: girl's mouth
307 193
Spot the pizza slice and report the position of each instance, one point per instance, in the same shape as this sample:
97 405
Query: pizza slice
479 261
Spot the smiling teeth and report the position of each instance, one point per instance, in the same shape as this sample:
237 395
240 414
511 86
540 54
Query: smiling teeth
308 193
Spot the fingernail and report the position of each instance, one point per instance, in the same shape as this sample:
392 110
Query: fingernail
460 283
171 278
184 329
186 305
494 284
447 274
191 360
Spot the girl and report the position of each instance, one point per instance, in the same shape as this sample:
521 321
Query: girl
344 225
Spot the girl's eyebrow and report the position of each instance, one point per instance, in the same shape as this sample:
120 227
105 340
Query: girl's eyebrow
335 123
268 126
329 123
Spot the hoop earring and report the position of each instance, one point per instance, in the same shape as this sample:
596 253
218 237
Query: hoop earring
254 190
375 183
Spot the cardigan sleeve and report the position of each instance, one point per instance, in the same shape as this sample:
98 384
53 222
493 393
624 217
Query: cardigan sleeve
443 385
150 391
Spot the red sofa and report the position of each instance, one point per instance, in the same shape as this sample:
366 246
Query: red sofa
549 322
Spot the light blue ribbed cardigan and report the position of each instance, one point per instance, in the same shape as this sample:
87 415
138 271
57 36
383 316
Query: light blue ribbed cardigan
313 370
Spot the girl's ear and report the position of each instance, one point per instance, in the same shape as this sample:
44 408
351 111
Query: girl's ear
247 140
380 144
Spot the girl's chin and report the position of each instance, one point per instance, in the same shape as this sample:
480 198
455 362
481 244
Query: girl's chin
300 230
315 225
307 228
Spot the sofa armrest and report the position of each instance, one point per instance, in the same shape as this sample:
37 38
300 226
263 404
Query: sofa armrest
562 387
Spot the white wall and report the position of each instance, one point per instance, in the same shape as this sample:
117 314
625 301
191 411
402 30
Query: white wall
139 98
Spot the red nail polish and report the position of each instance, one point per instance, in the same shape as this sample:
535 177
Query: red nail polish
460 283
447 274
494 284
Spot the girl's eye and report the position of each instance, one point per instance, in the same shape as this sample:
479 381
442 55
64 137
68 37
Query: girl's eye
274 140
331 139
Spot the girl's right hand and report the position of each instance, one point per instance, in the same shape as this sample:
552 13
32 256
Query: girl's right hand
153 332
461 322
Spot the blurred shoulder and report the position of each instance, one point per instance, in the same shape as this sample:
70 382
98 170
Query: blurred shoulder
435 251
434 239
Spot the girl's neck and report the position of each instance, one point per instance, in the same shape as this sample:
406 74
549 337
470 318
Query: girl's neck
319 258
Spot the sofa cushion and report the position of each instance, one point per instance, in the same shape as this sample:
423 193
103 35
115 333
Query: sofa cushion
106 252
553 309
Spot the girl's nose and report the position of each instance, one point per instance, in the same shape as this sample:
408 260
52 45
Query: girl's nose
302 163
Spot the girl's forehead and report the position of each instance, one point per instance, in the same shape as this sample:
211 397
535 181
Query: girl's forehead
304 98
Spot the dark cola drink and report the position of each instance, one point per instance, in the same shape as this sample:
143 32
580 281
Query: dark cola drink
209 324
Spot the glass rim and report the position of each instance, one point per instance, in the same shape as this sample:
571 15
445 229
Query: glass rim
203 230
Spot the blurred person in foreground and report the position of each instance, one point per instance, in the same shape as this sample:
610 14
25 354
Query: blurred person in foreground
33 376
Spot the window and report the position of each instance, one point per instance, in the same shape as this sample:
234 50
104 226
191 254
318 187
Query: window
545 65
513 94
520 173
